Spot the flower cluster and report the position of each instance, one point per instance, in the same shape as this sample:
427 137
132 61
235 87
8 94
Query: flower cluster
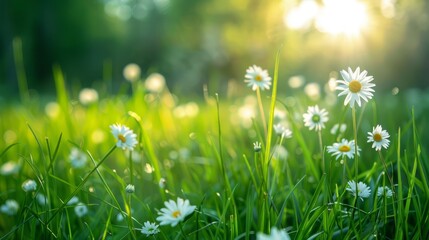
282 131
361 190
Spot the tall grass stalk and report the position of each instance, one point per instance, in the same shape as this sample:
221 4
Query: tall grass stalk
262 112
18 57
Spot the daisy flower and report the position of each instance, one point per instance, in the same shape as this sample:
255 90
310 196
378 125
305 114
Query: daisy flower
338 127
81 210
275 234
362 191
131 72
356 85
379 138
73 200
29 185
257 146
150 228
10 207
384 191
125 138
130 188
343 148
9 168
281 130
77 158
315 118
42 199
256 78
175 212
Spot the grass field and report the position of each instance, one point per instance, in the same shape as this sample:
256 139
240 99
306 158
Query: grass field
204 151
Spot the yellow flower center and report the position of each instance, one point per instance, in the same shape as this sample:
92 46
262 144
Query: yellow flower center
344 148
377 137
355 86
176 214
258 78
316 118
122 138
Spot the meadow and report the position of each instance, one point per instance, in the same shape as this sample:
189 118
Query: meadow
140 162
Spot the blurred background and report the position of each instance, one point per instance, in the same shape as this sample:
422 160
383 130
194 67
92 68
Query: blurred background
212 42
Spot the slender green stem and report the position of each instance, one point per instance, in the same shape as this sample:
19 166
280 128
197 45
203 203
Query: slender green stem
321 151
343 162
182 231
261 110
79 187
20 70
387 172
355 139
130 159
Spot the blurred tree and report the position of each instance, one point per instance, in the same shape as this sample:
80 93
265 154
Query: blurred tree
196 42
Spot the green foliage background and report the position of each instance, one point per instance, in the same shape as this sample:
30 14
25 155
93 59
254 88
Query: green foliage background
194 42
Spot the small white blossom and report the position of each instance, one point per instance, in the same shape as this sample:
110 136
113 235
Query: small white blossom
343 148
257 146
356 85
73 200
175 212
379 138
275 234
155 83
315 118
29 185
77 158
384 191
362 190
281 130
150 228
42 199
162 183
10 207
81 210
132 72
257 78
88 96
125 137
130 188
341 127
9 168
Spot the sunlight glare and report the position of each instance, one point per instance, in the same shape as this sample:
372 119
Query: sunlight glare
347 17
301 17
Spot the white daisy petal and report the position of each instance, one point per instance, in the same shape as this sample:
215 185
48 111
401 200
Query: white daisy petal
356 85
256 77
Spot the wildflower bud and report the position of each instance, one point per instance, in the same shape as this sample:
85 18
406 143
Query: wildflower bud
132 72
130 188
29 186
257 146
162 183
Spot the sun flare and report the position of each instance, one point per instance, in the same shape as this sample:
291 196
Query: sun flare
347 17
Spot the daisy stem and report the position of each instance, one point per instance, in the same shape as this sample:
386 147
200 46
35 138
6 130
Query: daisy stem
321 151
261 110
181 231
131 168
355 139
388 175
344 170
129 217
